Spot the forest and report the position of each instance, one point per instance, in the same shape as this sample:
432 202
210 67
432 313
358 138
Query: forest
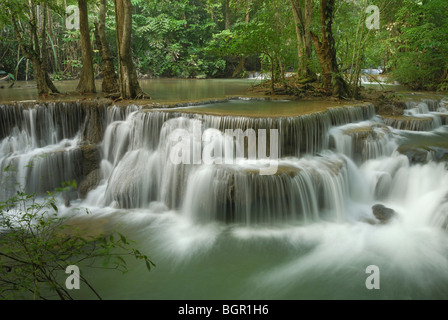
306 47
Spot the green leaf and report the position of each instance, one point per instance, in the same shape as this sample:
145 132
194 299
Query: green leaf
148 265
54 206
123 238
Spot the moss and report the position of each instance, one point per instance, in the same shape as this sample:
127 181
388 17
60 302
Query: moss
366 132
281 170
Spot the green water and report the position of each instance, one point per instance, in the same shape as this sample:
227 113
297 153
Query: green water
160 90
268 108
288 262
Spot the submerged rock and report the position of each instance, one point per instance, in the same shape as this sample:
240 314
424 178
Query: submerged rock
383 213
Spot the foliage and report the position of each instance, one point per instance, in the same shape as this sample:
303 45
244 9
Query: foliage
170 37
420 59
37 245
211 38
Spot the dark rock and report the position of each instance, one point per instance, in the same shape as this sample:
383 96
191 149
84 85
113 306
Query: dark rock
415 155
383 213
90 182
93 129
439 154
91 159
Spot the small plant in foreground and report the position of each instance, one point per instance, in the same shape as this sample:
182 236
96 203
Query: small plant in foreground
37 245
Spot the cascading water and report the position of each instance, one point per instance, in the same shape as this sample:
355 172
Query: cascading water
40 148
223 231
420 116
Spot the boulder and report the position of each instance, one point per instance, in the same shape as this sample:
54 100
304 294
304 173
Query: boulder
91 159
383 213
416 155
93 129
90 182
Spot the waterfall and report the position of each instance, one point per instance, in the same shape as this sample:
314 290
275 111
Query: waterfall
138 151
305 230
362 141
309 189
425 115
319 174
39 150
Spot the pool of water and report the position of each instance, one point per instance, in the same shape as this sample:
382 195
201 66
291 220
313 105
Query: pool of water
160 90
264 108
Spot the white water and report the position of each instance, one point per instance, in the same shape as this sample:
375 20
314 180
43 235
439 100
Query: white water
225 232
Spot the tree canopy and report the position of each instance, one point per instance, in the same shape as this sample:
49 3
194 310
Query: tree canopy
227 38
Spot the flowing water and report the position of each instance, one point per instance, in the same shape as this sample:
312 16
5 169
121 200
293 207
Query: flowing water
223 231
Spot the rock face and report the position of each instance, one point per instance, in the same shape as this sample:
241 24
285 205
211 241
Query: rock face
383 213
424 154
415 155
93 128
91 169
89 183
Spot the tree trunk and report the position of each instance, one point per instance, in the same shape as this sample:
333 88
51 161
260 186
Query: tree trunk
87 81
240 67
303 23
333 82
109 84
272 74
227 14
44 49
128 83
32 42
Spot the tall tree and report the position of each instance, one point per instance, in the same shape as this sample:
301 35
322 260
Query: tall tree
128 82
32 38
240 67
227 14
109 84
87 81
333 81
303 15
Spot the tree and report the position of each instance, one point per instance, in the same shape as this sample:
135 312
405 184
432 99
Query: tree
87 80
333 81
37 246
420 44
128 83
32 37
109 84
303 15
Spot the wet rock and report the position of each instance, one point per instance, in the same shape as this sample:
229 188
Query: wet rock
90 182
93 129
383 213
440 154
91 159
409 123
424 154
415 154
